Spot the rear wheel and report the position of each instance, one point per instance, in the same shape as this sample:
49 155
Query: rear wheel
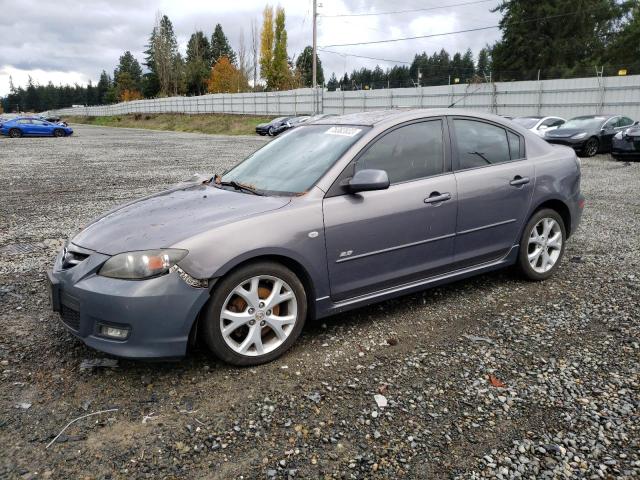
255 314
542 245
58 132
271 131
591 147
15 133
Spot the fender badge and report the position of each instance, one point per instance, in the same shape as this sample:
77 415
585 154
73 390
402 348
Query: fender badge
313 234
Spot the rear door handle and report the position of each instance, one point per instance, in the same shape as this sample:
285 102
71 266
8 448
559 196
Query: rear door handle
518 181
437 197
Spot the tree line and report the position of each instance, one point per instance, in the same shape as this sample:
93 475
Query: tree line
541 39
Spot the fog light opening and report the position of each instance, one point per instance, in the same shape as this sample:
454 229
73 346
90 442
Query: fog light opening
116 333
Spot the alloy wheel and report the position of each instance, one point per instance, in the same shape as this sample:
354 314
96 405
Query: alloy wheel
592 147
258 315
545 245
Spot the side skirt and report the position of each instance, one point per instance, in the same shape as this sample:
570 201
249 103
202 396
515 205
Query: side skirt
325 306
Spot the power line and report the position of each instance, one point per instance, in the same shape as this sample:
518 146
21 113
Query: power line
411 38
406 11
477 29
363 56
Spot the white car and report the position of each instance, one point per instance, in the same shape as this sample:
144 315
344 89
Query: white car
539 125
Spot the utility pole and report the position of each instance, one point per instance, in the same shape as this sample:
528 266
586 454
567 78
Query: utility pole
315 21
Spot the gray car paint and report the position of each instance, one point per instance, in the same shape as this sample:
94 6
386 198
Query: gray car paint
350 249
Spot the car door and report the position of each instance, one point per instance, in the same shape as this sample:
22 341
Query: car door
26 126
607 133
41 128
378 239
495 184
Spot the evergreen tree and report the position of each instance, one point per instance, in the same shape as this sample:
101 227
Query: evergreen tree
304 66
332 84
198 63
104 84
220 46
483 68
557 36
127 75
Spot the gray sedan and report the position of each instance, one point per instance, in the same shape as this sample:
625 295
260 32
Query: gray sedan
333 215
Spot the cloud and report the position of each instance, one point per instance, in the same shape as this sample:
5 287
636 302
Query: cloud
74 40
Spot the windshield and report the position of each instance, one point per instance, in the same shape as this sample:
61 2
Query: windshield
526 122
294 162
585 123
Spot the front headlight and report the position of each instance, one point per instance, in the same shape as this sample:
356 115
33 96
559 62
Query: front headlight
142 264
578 136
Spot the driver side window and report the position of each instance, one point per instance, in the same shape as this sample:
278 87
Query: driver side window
407 153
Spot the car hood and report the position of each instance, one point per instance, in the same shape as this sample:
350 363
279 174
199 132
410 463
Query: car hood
632 132
164 219
564 132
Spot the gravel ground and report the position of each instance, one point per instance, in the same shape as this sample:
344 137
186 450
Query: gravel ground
488 377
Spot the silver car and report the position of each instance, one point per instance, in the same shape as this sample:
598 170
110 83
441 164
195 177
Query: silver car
333 215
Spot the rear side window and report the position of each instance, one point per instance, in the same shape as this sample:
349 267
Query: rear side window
514 146
480 144
625 122
407 153
24 121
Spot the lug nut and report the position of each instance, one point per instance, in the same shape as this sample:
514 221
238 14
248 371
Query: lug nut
261 304
252 311
252 322
268 312
263 323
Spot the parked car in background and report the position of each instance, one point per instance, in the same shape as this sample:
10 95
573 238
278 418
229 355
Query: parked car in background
539 125
291 123
34 127
336 214
589 134
54 119
625 144
271 128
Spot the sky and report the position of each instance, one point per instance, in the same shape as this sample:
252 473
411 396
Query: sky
69 41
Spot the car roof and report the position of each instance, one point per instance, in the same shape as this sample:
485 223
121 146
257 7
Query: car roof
604 115
378 117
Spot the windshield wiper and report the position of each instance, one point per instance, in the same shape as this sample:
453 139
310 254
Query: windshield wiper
217 180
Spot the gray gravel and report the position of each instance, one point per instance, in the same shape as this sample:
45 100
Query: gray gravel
491 377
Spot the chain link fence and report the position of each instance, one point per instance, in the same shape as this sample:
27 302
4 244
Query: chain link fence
565 97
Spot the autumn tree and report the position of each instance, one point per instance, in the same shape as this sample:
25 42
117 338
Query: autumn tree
226 78
266 43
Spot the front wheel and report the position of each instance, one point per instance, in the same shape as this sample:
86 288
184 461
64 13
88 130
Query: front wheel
591 147
58 132
542 245
255 314
15 133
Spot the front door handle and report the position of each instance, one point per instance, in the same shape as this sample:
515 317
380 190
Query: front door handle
518 181
437 197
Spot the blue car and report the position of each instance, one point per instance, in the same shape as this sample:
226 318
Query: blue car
33 127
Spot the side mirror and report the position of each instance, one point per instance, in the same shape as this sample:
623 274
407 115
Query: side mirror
637 122
367 180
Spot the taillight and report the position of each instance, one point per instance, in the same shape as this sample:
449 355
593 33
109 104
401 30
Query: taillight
581 203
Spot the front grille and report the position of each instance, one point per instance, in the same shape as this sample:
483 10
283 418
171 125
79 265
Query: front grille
70 259
70 317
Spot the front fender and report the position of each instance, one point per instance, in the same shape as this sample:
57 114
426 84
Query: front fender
294 232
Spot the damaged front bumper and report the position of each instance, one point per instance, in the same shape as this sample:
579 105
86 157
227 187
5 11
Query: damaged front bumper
153 316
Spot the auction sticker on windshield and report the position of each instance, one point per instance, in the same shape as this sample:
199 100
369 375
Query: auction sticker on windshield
344 131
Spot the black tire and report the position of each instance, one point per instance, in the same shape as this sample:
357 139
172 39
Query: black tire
211 329
271 131
591 147
262 134
58 132
15 133
523 261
